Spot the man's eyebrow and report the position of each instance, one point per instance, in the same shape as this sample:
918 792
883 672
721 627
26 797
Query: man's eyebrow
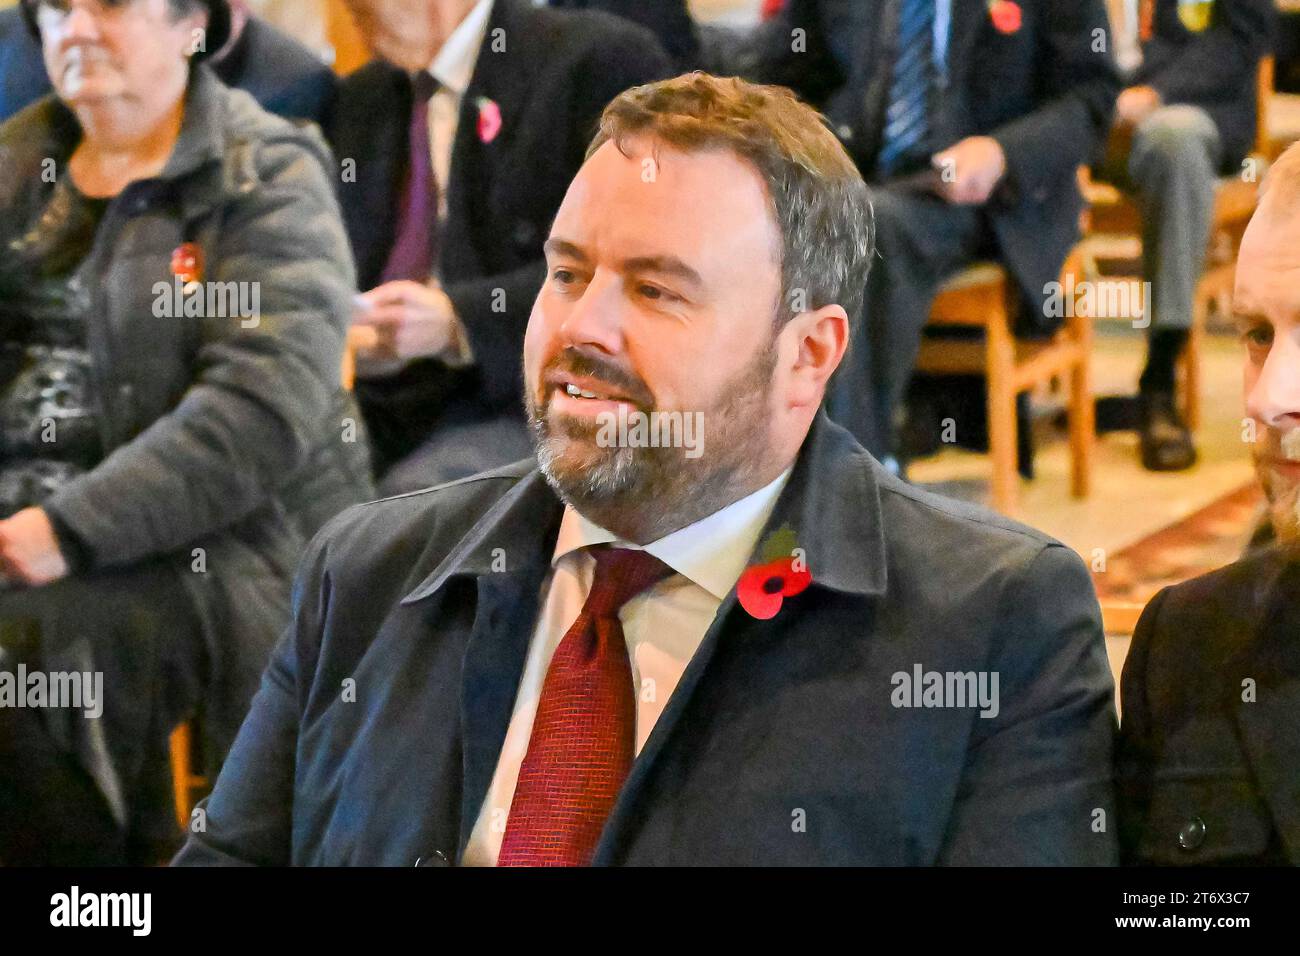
665 264
1242 317
557 246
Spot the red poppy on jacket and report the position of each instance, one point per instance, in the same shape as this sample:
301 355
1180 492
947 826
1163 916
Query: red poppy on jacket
763 587
489 120
1006 16
187 262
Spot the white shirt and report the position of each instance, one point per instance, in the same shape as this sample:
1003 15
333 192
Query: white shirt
453 68
662 627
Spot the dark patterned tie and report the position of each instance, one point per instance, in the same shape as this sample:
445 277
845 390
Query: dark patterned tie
583 738
415 248
906 117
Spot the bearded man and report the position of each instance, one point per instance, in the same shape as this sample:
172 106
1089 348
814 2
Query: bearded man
759 648
1210 752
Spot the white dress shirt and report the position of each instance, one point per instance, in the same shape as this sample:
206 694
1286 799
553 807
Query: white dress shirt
662 627
453 68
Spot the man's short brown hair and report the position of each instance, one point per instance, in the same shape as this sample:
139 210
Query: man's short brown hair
818 197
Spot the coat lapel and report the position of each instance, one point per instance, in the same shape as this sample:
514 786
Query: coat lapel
1270 725
967 18
507 553
832 504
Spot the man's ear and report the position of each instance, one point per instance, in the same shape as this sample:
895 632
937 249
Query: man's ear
812 346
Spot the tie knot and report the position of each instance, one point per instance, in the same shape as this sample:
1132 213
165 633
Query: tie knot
423 86
621 574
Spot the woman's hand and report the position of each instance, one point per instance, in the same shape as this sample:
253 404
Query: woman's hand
29 549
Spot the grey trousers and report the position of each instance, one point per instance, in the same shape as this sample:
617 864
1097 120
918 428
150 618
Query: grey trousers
1171 167
920 241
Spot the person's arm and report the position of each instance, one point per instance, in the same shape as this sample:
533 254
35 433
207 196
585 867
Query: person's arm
260 396
1046 146
1037 788
1135 755
248 818
1223 57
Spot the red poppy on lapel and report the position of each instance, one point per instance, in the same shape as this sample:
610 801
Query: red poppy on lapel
1006 16
781 573
187 263
489 119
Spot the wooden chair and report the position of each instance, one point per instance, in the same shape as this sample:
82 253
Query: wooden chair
983 296
186 783
1112 211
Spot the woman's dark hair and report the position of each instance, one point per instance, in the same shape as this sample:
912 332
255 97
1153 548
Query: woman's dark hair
218 29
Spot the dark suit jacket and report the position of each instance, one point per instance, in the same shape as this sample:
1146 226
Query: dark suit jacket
275 69
669 20
770 717
1206 777
1041 92
556 75
1215 69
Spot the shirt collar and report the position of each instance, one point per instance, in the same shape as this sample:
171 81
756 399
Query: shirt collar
712 552
453 67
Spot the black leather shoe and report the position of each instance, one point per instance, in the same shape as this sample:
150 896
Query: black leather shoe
1166 440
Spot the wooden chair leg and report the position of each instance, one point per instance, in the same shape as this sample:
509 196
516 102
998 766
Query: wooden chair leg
1000 372
1191 362
181 771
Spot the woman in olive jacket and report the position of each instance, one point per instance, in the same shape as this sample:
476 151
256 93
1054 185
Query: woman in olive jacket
175 287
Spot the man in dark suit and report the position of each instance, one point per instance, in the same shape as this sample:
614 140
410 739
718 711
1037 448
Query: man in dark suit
275 69
669 20
1210 751
973 118
751 649
1186 115
452 195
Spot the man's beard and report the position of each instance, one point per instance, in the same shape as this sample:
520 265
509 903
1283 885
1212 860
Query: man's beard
654 490
1283 495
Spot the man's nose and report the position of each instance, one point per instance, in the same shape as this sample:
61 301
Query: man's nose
596 319
1275 398
80 24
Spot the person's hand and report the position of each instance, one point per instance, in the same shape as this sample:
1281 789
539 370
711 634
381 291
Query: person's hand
403 320
29 550
970 170
1135 104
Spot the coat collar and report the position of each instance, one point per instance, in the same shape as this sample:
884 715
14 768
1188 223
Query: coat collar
831 502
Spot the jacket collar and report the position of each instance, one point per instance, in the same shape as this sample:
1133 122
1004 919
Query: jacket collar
831 502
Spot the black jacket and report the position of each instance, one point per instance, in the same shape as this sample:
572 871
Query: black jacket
1215 68
1041 92
407 598
280 73
1207 776
558 71
669 20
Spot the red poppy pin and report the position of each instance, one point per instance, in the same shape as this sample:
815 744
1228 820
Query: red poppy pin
489 119
187 263
782 572
1006 16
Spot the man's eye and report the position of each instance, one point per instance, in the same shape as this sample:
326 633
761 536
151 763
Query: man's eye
1258 337
655 293
562 275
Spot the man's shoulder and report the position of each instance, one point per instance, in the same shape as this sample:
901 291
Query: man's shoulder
940 525
1221 607
431 520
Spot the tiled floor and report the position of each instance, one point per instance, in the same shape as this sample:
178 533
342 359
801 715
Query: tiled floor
1127 502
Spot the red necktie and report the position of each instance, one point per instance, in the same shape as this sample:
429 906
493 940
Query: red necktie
415 249
582 743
